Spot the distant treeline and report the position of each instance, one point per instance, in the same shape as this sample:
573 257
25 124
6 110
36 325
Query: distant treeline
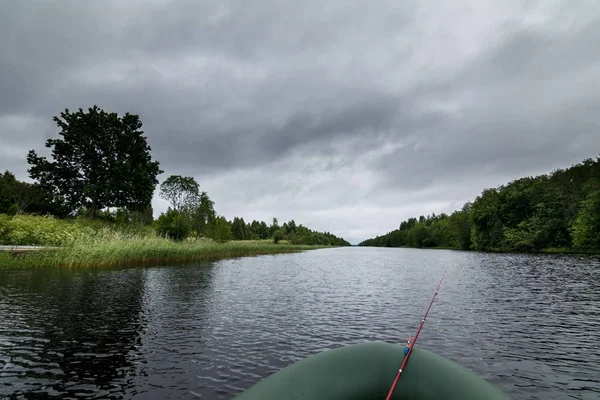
295 234
560 210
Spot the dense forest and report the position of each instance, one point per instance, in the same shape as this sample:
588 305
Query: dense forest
102 169
560 210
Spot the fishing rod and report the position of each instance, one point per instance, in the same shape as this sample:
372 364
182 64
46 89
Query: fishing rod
410 345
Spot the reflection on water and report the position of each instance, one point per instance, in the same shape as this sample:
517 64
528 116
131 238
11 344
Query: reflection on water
65 333
528 324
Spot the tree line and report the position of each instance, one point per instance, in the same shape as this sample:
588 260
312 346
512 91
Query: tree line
191 213
557 210
101 167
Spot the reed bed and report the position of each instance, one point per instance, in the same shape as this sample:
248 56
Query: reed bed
102 245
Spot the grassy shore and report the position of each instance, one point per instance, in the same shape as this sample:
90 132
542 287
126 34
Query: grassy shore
92 245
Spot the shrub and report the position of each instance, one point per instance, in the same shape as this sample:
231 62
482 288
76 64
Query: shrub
219 230
174 225
40 231
277 236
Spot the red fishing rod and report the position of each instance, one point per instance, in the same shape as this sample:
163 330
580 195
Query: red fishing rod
410 345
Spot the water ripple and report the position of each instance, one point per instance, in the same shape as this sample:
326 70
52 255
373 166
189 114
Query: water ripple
529 324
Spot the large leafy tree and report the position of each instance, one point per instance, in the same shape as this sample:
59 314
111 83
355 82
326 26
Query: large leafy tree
183 192
101 160
202 214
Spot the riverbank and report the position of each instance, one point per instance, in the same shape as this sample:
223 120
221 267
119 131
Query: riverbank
82 243
143 251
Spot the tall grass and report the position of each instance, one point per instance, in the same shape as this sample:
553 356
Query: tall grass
88 245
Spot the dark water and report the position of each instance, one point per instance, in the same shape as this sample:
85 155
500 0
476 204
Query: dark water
528 324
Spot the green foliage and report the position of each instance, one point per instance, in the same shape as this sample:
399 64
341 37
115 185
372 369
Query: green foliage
263 232
102 160
101 167
273 227
486 224
40 231
586 229
202 214
123 216
459 228
13 210
238 229
277 236
192 205
560 211
418 234
182 192
219 230
17 197
98 243
173 224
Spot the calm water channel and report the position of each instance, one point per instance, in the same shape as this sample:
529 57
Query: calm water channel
528 324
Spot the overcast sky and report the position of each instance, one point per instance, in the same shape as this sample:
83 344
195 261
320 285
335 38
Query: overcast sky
347 116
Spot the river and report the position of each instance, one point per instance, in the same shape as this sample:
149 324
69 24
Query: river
529 324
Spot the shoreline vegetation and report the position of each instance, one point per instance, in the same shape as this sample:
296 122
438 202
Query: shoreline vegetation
93 199
553 213
99 244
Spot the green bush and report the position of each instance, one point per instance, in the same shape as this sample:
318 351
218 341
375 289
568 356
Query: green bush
40 231
277 236
219 230
4 225
13 210
174 225
586 229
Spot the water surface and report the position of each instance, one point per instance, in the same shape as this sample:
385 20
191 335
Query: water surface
528 324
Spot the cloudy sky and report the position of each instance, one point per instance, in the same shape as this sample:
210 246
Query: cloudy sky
347 116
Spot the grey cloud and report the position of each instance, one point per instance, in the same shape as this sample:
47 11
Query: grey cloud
407 95
530 107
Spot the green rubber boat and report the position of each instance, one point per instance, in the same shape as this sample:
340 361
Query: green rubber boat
366 371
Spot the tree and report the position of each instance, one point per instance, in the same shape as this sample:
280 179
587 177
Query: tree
183 192
561 209
8 182
237 228
173 224
460 228
219 229
277 236
274 227
264 230
418 234
22 197
486 225
254 230
102 160
586 229
203 213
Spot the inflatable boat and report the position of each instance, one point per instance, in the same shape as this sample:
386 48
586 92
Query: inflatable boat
366 371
